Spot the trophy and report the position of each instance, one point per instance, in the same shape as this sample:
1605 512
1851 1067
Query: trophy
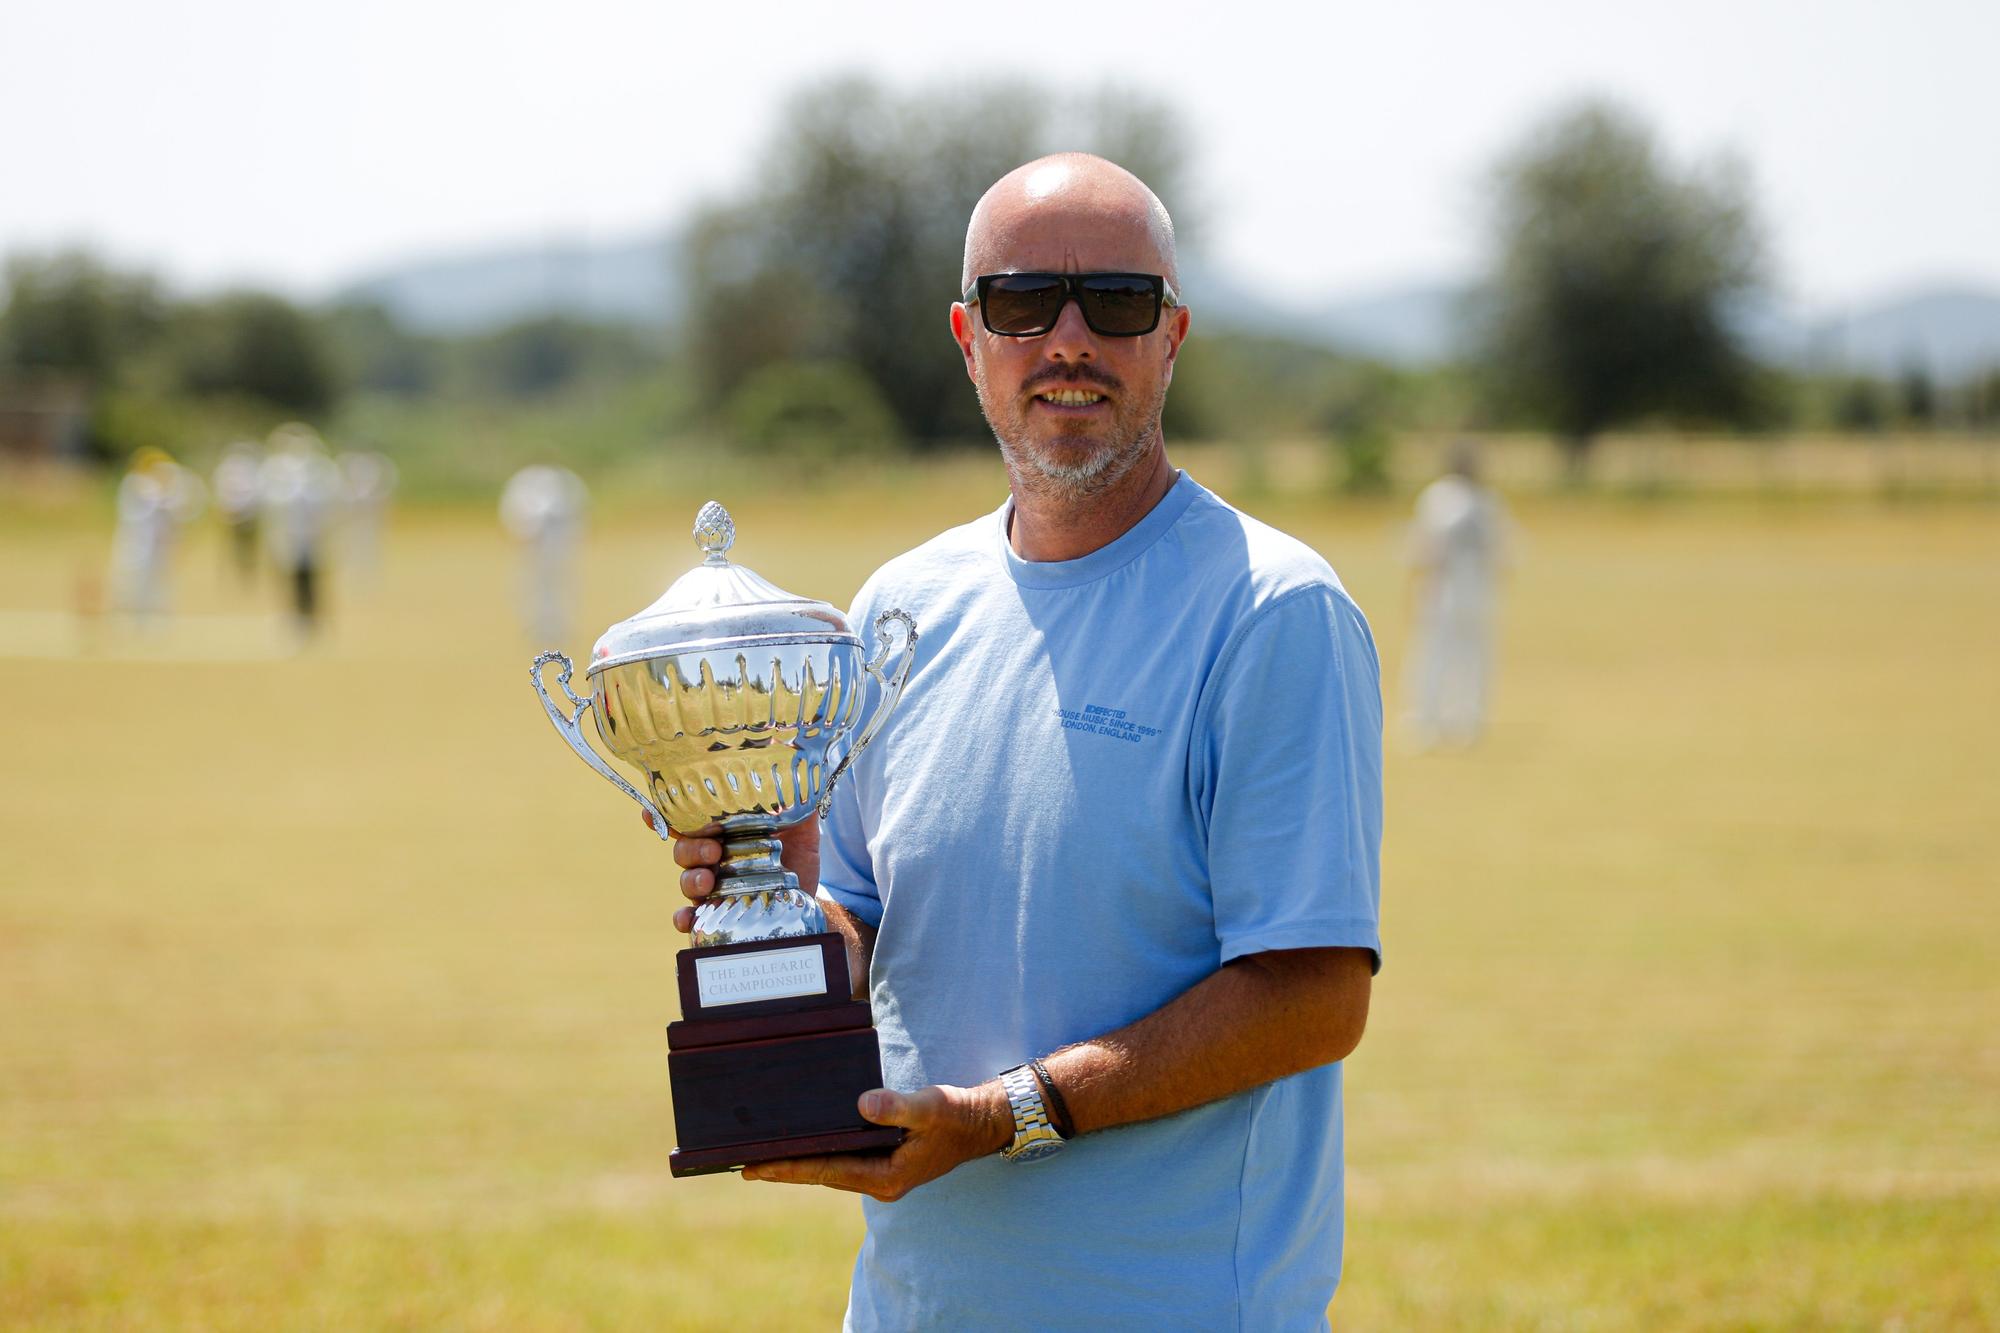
737 705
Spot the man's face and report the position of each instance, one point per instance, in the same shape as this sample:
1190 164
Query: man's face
1072 409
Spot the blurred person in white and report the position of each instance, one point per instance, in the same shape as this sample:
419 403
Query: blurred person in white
542 508
156 498
368 480
1459 545
238 496
300 490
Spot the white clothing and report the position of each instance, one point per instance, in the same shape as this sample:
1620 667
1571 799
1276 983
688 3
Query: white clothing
543 508
153 504
1458 545
367 482
300 488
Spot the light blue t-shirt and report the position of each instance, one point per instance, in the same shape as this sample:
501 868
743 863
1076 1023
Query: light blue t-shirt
1108 777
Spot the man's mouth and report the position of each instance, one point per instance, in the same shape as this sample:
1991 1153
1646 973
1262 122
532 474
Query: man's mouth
1071 398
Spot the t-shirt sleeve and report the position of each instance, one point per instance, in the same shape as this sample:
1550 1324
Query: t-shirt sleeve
846 869
1290 755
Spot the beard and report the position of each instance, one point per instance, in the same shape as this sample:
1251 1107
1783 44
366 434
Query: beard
1071 461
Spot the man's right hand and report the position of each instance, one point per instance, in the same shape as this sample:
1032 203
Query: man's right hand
699 852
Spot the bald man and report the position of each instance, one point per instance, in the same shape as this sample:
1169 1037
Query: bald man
1110 872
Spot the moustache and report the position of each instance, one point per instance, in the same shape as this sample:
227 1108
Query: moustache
1071 376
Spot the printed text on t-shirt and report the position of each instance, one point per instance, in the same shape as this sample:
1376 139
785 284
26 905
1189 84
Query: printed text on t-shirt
1102 721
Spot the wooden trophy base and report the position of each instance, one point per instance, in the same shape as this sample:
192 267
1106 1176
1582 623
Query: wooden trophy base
770 1056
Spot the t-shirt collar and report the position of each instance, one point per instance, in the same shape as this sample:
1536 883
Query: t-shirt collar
1127 547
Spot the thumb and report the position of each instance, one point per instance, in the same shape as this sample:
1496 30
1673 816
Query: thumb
884 1107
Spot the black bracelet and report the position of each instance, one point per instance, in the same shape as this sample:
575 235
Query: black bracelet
1058 1108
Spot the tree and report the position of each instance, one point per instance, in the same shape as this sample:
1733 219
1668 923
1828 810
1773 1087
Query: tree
376 353
1614 281
551 353
1919 395
849 249
1858 406
70 314
255 345
1982 399
816 411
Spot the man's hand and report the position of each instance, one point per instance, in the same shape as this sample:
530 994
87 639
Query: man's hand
946 1126
698 854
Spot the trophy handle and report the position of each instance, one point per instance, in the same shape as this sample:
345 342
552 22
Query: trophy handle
571 728
892 690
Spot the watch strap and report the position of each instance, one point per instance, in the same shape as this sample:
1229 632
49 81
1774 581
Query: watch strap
1034 1135
1059 1115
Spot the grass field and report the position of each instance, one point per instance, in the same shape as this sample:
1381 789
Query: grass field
332 988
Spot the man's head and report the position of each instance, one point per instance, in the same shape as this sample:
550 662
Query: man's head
1074 410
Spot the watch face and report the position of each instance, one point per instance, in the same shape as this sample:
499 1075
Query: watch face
1035 1152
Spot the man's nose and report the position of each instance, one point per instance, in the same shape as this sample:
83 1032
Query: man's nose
1071 338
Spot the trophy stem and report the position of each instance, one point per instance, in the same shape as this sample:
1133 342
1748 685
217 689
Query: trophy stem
750 857
755 897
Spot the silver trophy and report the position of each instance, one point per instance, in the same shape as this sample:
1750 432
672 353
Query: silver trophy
737 704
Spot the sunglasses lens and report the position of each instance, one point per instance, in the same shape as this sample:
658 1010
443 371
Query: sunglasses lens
1020 303
1120 304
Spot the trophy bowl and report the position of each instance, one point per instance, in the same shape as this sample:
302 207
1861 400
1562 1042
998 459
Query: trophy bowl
744 729
736 704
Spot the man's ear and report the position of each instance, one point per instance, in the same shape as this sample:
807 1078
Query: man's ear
961 332
1177 332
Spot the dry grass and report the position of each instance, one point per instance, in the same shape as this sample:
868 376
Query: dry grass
333 986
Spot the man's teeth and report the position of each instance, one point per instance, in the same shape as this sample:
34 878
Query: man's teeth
1071 397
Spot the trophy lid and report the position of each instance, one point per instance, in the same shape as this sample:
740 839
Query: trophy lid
718 605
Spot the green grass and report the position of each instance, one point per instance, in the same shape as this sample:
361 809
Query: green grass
333 987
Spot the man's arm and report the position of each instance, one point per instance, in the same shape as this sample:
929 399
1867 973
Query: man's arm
1260 1018
860 937
1256 1019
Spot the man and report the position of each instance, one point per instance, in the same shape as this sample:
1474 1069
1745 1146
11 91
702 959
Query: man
238 495
156 499
1111 867
543 509
299 491
1458 546
367 484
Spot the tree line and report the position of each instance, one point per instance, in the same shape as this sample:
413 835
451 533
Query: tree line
814 319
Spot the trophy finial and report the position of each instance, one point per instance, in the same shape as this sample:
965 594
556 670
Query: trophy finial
716 532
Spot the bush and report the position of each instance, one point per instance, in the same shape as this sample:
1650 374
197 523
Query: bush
254 345
1364 452
818 411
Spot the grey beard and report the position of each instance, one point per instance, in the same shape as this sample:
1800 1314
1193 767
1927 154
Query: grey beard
1079 480
1071 482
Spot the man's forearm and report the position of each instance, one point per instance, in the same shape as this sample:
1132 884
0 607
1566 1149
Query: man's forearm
860 937
1257 1019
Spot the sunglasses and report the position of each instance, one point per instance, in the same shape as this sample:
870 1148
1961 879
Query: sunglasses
1114 305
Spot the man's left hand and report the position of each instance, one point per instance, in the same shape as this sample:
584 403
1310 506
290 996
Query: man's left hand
946 1127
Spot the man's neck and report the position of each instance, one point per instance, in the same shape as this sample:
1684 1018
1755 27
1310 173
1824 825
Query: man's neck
1048 527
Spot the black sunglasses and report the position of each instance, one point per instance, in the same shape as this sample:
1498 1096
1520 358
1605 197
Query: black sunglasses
1114 305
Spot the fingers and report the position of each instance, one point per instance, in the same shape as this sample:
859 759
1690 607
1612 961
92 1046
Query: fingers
883 1107
691 851
875 1176
697 855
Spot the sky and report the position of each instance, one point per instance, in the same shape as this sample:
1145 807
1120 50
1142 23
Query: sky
1341 148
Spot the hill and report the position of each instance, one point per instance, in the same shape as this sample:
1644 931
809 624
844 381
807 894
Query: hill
629 282
1950 329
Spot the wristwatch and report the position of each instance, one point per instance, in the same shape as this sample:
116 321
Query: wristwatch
1034 1137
